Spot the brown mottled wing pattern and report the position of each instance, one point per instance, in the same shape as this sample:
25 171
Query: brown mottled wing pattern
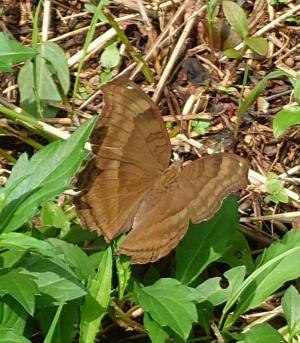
206 182
196 194
160 223
132 149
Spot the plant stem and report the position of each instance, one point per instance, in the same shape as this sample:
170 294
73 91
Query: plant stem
131 50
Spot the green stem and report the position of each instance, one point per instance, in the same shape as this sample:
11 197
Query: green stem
131 50
89 37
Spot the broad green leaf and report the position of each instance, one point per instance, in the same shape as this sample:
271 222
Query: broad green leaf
8 335
26 85
21 287
46 175
257 44
53 215
55 55
36 80
291 308
13 315
5 68
96 301
206 242
236 18
211 290
168 303
17 241
238 253
232 53
277 265
46 89
10 259
75 258
61 254
110 57
286 118
262 333
55 283
154 330
13 51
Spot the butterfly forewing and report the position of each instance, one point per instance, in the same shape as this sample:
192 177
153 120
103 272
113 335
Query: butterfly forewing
131 150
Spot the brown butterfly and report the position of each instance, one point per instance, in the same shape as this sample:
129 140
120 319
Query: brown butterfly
129 183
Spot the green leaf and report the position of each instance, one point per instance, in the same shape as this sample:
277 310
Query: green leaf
291 308
61 253
257 91
238 252
55 283
200 126
206 242
286 118
232 53
96 302
27 89
168 303
275 189
53 215
212 9
14 52
236 18
228 90
277 265
124 274
296 95
75 257
45 88
46 175
92 8
36 80
8 335
211 290
5 68
12 314
110 57
67 325
257 44
106 76
154 330
262 333
21 287
55 55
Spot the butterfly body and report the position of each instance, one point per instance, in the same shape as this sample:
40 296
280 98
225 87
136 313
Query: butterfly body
130 185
